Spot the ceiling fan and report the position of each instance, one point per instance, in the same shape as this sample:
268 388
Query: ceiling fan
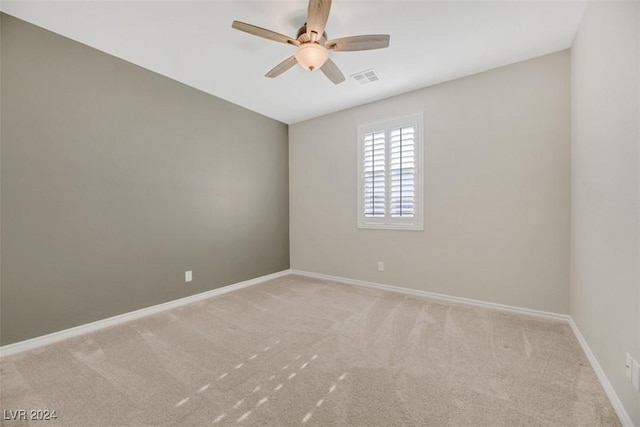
313 46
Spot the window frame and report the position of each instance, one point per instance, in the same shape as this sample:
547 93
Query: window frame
388 222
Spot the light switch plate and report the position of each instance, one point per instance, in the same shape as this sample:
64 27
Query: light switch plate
188 276
635 375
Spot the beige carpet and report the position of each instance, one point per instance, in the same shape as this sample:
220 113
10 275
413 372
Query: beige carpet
299 351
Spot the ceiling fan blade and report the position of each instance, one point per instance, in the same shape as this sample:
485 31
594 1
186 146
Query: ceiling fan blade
372 41
333 73
262 32
282 67
317 16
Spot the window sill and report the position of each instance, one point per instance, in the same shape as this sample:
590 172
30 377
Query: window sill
405 227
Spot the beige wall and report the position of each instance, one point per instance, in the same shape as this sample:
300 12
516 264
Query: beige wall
116 180
605 281
496 190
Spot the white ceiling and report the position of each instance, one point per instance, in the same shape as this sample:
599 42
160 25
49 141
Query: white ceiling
193 42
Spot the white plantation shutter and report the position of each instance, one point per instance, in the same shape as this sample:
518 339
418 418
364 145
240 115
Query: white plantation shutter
390 175
403 172
374 174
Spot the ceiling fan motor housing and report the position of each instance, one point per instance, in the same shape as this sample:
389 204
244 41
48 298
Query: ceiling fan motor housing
303 37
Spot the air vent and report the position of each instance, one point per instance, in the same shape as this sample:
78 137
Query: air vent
366 76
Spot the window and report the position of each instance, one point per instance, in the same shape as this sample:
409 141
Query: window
390 174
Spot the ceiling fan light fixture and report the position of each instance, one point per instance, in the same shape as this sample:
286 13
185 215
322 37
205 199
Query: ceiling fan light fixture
313 44
311 55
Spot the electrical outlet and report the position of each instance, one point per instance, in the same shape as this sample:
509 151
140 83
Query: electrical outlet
635 375
188 276
380 265
627 366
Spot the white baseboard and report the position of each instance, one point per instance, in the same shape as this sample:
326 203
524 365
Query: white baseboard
441 297
43 340
625 419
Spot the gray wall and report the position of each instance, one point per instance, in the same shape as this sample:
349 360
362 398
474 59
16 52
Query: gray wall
496 190
116 180
605 277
